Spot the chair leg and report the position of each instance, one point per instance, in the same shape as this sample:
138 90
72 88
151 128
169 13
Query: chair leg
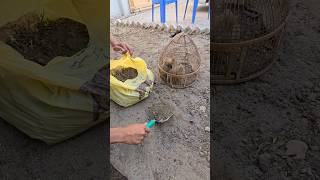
177 11
209 11
195 7
162 11
152 12
185 10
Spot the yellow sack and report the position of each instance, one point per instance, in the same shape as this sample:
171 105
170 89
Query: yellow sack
68 95
127 91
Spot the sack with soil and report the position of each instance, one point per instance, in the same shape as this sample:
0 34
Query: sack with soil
53 66
130 80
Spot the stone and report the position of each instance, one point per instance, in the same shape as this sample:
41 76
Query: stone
157 26
171 29
205 31
148 26
187 30
138 24
144 25
202 108
196 30
132 24
202 154
179 28
118 22
164 27
207 129
153 25
297 149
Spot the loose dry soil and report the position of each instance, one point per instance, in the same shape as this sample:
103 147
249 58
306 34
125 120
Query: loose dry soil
40 40
255 122
178 148
123 74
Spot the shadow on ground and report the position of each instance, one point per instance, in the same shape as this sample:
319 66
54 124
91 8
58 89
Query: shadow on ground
82 157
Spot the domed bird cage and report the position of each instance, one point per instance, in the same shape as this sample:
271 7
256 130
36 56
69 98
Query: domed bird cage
179 62
246 37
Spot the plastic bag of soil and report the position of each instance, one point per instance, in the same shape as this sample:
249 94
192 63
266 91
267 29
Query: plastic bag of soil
130 80
53 66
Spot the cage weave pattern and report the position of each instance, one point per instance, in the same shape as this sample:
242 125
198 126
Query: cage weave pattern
179 62
246 37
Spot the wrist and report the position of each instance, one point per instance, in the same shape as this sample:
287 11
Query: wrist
117 135
113 42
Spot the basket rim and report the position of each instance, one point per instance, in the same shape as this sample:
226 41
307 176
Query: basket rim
251 41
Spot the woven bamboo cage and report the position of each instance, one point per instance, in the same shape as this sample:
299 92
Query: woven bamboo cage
179 62
246 38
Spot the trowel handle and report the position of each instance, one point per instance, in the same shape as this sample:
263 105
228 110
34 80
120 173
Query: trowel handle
151 123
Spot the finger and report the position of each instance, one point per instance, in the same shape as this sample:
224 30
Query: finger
129 49
124 52
147 130
119 49
145 135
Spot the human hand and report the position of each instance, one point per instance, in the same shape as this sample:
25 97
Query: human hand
135 133
121 47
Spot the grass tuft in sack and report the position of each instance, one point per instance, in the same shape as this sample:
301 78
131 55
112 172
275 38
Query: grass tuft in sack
130 80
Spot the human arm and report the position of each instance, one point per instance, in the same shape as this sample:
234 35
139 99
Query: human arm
132 134
120 46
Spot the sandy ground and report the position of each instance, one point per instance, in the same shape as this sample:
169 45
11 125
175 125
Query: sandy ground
254 121
178 149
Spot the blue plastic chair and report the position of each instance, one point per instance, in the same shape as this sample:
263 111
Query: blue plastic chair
194 10
163 4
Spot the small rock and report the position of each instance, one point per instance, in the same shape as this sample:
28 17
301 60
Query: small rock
171 29
153 25
202 154
127 23
138 24
121 24
274 140
179 28
205 31
207 129
202 108
144 25
187 29
149 26
118 22
297 149
164 27
195 30
191 121
157 26
264 161
132 24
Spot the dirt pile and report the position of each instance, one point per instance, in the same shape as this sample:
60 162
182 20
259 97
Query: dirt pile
40 40
123 74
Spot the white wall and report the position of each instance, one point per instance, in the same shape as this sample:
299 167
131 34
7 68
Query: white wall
119 8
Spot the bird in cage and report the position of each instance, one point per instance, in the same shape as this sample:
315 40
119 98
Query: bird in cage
168 64
178 69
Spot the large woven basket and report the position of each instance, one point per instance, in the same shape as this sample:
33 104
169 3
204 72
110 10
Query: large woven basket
246 38
182 55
